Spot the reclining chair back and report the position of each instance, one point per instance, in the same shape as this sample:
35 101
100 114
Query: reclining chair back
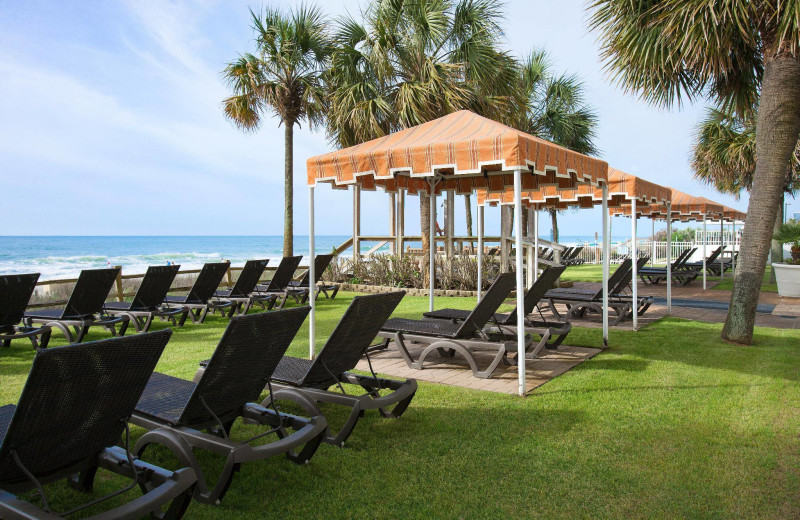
155 286
355 332
714 255
90 292
321 262
248 278
626 278
76 402
284 272
685 259
491 301
239 370
623 270
207 282
533 296
15 293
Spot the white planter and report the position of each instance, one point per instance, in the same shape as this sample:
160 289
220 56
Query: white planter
788 278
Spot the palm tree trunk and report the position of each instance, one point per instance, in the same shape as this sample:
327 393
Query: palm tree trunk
777 129
776 251
288 197
554 222
425 230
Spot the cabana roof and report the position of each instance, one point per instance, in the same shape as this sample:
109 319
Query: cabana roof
733 215
464 152
622 189
685 208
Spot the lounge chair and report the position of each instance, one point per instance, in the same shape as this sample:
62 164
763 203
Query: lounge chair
710 260
578 303
277 290
573 257
147 303
299 290
197 303
175 411
331 368
243 293
680 274
15 293
466 337
84 308
70 417
507 322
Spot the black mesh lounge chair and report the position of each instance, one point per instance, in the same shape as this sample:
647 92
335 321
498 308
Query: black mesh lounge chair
331 368
278 288
196 304
578 303
84 308
710 260
242 295
176 410
299 290
147 303
15 293
465 337
681 274
72 412
507 322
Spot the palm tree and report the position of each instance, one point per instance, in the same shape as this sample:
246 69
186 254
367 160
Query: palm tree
556 110
741 55
724 156
284 75
411 61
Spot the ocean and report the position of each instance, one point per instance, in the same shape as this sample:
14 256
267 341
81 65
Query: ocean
64 256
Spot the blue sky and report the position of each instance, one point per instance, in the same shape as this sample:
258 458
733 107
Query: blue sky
111 123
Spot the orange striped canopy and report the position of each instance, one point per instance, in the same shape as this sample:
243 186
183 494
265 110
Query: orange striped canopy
733 215
463 152
685 208
622 189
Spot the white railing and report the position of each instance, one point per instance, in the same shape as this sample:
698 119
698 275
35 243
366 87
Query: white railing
713 237
592 254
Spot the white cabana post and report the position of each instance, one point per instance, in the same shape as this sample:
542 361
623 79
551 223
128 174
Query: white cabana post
705 240
535 244
520 282
311 277
669 258
432 256
733 252
480 251
634 262
722 245
606 251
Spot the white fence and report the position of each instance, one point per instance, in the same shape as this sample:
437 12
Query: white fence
657 251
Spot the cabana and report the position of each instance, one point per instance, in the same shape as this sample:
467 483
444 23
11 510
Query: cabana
623 191
733 216
460 152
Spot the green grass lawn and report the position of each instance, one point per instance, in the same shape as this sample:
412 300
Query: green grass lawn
669 422
766 286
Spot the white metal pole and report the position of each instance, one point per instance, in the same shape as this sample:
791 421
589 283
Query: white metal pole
653 243
669 258
480 251
432 256
721 251
705 240
520 282
606 252
531 251
733 247
634 262
311 276
535 243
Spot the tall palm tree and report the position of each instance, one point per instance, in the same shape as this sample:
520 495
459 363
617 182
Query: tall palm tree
283 76
411 61
557 110
724 156
741 55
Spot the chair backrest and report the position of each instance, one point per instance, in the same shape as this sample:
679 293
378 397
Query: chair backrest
576 252
491 301
566 254
249 277
207 282
627 277
76 402
676 262
533 296
355 332
686 258
619 274
238 371
284 272
90 292
15 293
155 286
714 255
